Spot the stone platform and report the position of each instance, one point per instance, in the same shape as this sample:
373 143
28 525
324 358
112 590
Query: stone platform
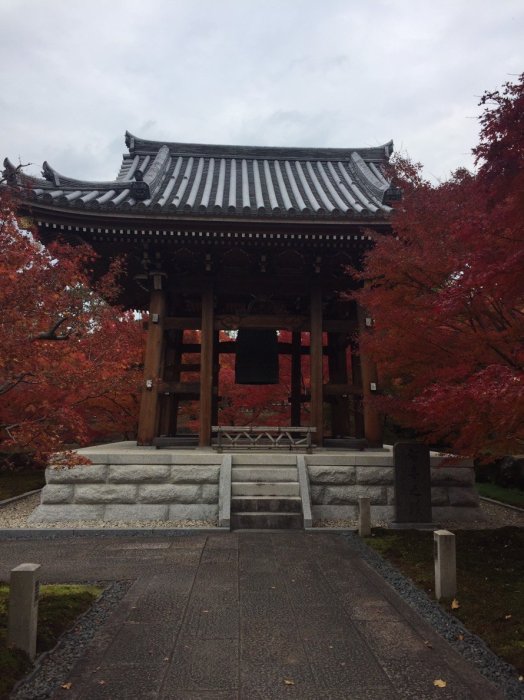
130 483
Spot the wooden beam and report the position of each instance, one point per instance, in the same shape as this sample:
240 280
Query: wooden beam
206 367
227 347
278 321
216 378
341 389
148 417
315 348
181 389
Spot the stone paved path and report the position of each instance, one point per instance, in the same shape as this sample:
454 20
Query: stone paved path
249 616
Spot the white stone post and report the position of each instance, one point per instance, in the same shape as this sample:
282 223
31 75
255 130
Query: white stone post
24 592
445 564
364 516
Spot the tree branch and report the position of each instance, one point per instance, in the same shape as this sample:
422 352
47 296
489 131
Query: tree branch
51 334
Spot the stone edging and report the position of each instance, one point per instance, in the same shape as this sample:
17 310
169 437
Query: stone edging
500 503
19 497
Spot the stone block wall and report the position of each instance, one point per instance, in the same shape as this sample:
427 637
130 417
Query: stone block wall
130 492
337 481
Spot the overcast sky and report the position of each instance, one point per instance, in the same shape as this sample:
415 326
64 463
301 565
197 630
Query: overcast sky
74 75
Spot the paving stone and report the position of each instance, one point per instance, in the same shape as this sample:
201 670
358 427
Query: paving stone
136 641
157 606
265 678
106 683
211 620
204 664
412 666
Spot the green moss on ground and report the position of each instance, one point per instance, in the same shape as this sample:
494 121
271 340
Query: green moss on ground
514 497
58 608
490 580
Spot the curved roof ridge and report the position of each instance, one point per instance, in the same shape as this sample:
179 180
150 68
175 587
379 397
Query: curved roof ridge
379 153
58 180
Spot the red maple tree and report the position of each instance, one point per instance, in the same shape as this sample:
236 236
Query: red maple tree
69 361
446 293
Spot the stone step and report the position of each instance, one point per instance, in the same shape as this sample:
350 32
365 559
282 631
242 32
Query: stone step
263 488
271 459
264 474
256 504
267 521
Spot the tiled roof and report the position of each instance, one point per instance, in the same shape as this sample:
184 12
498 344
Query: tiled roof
227 181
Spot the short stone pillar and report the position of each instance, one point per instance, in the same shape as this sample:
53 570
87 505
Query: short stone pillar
445 564
364 516
24 592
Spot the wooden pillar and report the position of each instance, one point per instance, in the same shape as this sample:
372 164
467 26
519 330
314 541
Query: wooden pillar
148 418
169 405
165 401
206 367
216 378
315 353
296 376
338 374
373 421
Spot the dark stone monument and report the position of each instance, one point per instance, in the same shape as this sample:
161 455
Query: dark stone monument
412 483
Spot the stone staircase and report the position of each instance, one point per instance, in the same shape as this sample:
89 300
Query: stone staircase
265 492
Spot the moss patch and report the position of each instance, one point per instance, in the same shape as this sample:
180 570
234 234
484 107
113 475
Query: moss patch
514 497
58 608
490 580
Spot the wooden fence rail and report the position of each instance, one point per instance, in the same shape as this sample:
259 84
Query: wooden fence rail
262 437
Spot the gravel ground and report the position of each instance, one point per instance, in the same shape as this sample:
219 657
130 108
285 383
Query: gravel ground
53 666
490 516
14 516
469 645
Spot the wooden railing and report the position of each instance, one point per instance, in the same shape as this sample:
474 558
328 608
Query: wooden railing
262 437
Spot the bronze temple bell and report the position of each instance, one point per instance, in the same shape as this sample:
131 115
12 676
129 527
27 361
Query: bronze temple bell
256 356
